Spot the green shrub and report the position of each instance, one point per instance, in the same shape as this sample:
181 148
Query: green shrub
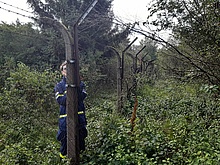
28 118
176 124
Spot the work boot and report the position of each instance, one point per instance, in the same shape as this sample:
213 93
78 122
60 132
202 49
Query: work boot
62 157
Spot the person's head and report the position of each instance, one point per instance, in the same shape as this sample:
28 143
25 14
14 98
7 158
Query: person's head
63 68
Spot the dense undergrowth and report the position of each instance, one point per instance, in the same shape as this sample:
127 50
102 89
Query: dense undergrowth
176 124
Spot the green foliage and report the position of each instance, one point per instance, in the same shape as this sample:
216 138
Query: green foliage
94 33
22 42
211 90
28 118
186 120
177 123
197 56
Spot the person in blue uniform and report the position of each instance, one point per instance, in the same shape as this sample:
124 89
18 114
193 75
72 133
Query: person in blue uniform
60 94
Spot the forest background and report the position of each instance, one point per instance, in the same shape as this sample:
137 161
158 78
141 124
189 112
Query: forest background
171 87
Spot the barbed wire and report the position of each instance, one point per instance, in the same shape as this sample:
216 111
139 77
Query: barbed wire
10 11
16 7
117 21
36 19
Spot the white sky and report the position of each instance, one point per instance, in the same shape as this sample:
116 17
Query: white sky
10 17
129 11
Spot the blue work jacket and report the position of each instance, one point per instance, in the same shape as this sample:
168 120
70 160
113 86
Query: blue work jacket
60 94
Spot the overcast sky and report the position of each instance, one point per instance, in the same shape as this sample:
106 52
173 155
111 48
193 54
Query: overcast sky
127 10
10 17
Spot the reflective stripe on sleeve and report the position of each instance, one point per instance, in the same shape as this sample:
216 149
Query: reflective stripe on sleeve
61 116
57 95
65 115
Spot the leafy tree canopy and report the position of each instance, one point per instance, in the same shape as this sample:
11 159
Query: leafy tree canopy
195 25
21 42
95 32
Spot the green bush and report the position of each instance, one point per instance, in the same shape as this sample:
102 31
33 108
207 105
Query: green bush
28 118
176 124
